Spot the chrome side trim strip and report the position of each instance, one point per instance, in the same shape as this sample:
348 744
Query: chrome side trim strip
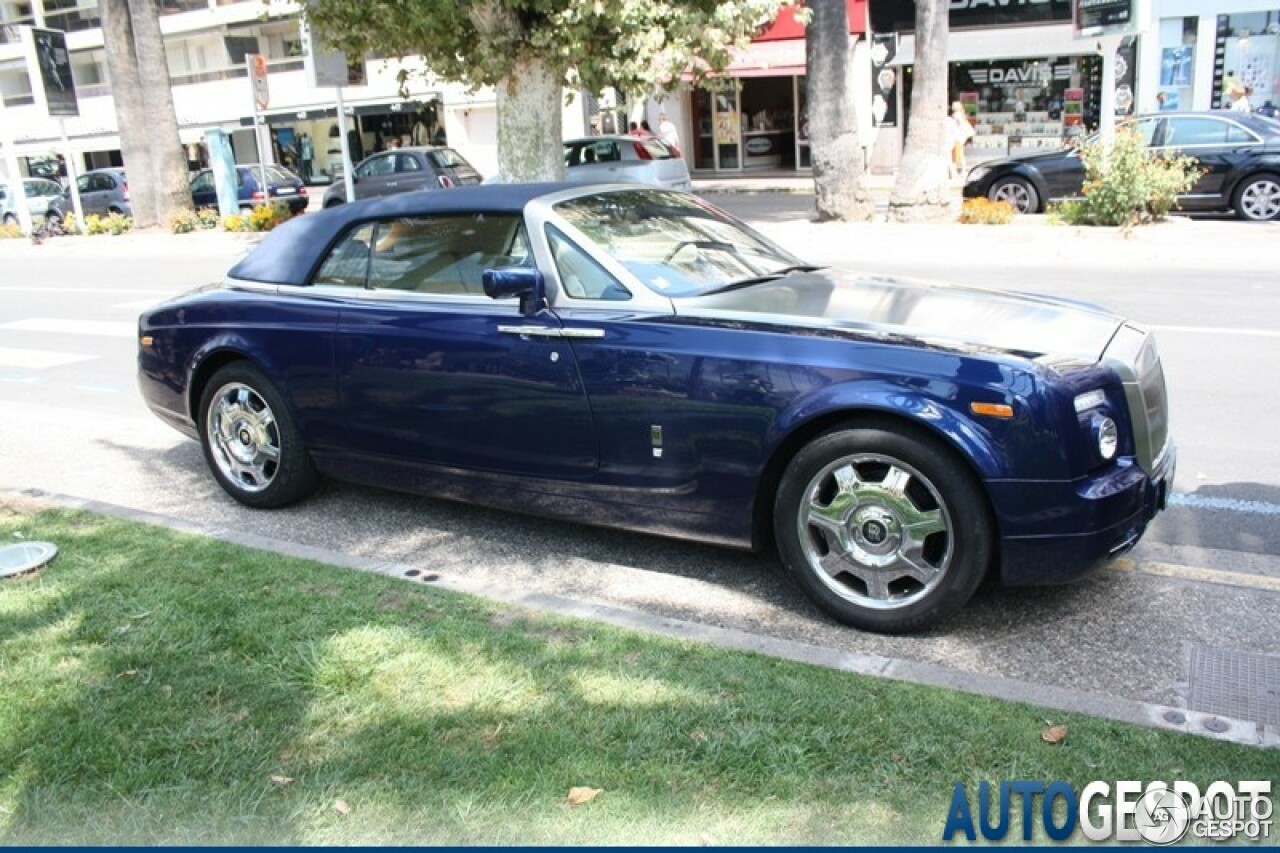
531 331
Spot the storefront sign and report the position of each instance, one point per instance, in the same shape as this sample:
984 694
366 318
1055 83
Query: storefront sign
49 66
1104 17
900 15
1019 72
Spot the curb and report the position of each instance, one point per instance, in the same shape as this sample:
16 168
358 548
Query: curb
1096 705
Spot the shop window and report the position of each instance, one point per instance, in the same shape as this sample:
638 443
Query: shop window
1248 56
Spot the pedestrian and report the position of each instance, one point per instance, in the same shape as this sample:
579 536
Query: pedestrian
307 152
667 130
959 132
633 129
645 130
1240 100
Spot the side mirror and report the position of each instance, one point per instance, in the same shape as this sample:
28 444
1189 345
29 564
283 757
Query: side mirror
524 283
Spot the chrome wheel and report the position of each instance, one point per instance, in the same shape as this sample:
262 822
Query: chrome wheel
1260 199
244 440
1016 192
875 531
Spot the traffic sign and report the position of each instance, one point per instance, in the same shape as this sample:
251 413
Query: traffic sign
258 74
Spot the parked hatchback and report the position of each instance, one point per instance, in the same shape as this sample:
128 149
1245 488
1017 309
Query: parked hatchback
625 159
104 191
44 200
405 170
282 185
1239 153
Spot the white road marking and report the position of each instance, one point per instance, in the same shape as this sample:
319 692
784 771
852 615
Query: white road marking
1218 330
73 327
1227 504
38 359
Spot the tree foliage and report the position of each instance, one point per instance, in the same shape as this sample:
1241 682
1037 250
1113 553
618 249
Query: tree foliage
632 45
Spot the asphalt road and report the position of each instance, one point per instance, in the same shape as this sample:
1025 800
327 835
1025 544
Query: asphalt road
1207 574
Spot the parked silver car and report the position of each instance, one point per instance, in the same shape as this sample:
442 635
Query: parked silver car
104 191
44 199
626 159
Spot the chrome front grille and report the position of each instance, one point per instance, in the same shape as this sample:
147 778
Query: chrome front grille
1133 355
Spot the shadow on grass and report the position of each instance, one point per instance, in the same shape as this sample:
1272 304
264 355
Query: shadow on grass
163 689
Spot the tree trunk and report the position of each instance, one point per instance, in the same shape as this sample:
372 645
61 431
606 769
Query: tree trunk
529 135
171 189
922 191
833 134
131 111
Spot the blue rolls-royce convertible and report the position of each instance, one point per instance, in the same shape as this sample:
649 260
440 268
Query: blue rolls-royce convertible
636 358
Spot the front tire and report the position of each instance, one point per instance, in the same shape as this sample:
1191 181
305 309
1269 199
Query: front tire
1258 199
1018 192
250 442
883 528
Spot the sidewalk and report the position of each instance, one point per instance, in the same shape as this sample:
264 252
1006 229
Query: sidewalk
773 181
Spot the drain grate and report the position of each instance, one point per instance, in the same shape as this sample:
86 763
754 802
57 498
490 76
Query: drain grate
1232 683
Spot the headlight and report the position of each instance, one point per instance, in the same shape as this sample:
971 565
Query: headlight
1108 437
977 173
1090 400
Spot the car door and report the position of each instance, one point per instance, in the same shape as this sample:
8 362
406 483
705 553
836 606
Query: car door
1220 146
376 176
90 199
203 191
412 174
430 370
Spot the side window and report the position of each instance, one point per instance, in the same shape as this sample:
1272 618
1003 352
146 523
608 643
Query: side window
348 263
607 152
203 182
384 165
1146 128
445 254
83 182
103 182
1183 132
580 275
1237 135
407 163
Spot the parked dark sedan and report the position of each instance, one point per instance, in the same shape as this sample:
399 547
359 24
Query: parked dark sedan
282 185
1240 155
405 170
634 357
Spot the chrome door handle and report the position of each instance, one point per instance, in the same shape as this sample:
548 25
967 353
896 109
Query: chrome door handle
550 332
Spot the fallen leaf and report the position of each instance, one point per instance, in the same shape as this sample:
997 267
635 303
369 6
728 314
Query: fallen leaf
1054 734
698 734
341 807
128 673
282 780
582 796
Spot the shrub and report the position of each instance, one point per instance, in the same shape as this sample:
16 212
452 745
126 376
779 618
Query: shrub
94 224
117 223
1126 185
234 222
70 225
264 217
207 217
183 221
984 211
9 230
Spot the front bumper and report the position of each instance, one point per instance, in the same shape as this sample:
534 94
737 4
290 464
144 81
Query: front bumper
1057 532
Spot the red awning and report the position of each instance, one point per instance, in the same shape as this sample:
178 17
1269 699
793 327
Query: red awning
785 26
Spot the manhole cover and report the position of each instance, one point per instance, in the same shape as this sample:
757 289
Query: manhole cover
1232 683
26 557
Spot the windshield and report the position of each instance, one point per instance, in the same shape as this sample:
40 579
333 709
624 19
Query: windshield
673 244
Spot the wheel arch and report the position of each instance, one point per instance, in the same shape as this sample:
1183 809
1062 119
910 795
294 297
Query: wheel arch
964 446
213 361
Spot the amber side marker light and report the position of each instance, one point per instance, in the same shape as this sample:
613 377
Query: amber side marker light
147 340
994 410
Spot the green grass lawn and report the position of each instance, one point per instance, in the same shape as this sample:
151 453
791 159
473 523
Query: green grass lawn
158 688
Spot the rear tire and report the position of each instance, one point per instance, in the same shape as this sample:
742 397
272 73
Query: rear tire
250 442
883 528
1018 192
1258 199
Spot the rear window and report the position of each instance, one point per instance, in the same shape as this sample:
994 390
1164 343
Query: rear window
447 158
657 149
277 175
